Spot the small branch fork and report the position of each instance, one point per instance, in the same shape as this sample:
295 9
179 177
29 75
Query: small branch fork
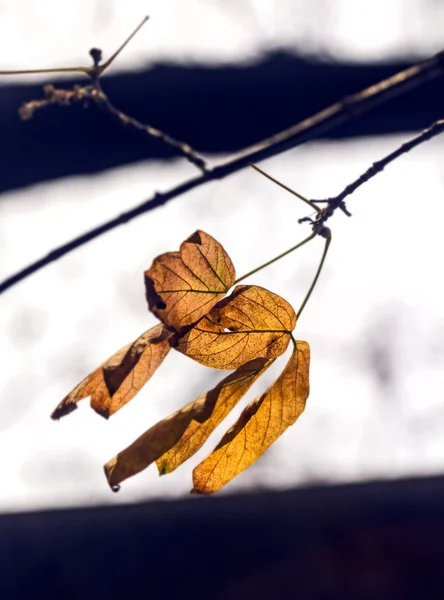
337 202
338 113
94 92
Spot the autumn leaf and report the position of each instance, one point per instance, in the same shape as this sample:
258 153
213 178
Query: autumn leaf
245 331
261 423
174 439
183 286
250 323
118 379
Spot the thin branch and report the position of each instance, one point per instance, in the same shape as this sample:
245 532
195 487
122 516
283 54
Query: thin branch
95 70
84 70
112 58
185 149
350 107
95 93
338 201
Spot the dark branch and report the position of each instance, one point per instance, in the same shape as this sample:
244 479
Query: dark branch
307 129
338 201
95 93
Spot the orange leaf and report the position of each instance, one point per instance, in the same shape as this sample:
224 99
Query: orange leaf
119 378
250 323
261 423
183 286
174 439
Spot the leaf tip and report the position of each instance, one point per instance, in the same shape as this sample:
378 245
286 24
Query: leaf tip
195 238
62 410
109 469
163 469
196 492
102 411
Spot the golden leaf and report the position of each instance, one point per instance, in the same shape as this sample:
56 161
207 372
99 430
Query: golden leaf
261 423
250 323
174 439
245 331
118 379
183 286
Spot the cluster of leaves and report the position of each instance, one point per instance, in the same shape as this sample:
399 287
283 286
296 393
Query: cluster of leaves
246 331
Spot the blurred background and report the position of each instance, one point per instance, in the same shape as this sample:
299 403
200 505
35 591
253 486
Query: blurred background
220 75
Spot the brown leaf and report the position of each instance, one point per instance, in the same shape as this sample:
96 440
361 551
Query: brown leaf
261 423
119 378
174 439
183 286
250 323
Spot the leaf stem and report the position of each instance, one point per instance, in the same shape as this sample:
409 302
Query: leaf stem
125 43
99 69
55 70
327 234
300 196
276 258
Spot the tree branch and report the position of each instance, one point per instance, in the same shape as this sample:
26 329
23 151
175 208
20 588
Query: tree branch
95 93
338 201
340 112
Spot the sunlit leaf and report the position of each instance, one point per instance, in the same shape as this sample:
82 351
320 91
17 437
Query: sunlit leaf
261 423
174 439
119 378
183 286
250 323
245 332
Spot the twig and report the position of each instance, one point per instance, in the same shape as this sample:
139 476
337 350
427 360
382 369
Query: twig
338 201
95 93
91 71
185 149
325 120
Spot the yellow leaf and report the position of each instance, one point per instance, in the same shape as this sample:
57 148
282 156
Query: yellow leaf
119 378
174 439
250 323
261 423
183 286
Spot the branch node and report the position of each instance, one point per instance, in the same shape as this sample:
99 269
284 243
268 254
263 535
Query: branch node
306 220
96 55
325 232
344 209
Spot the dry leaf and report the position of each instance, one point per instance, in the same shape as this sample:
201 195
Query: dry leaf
250 323
261 423
183 286
119 378
174 439
245 331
